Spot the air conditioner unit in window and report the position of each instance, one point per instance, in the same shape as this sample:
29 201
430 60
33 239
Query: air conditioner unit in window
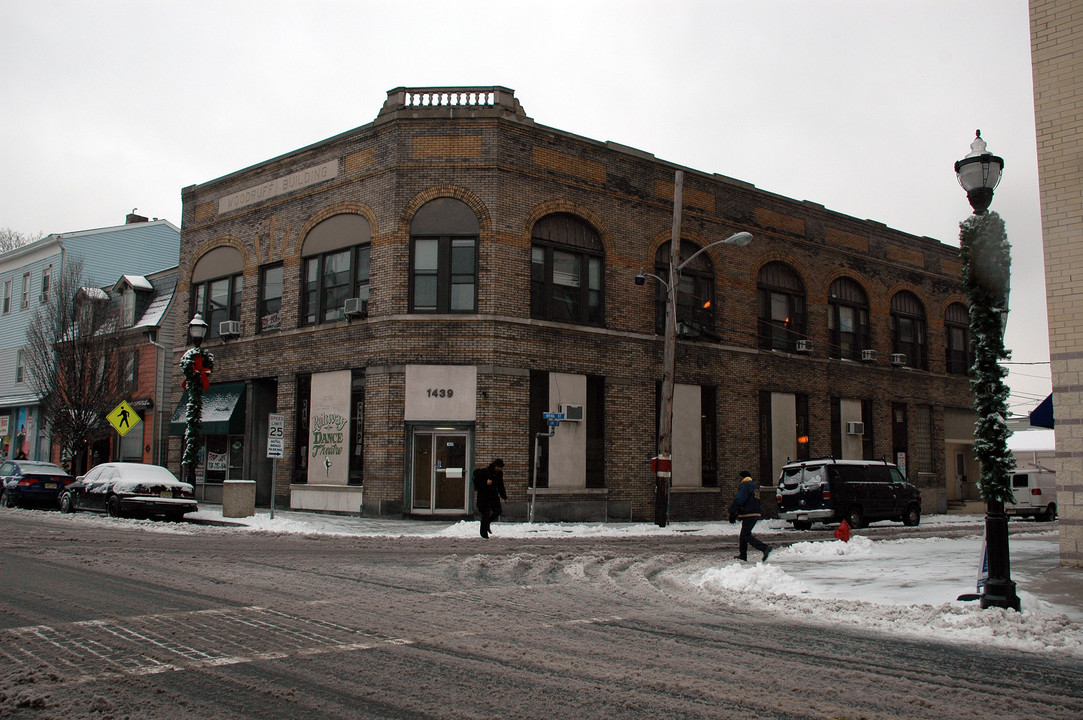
804 346
356 307
898 359
854 427
229 328
572 413
868 355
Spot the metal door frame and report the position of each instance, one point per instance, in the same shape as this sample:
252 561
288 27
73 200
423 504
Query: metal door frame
466 430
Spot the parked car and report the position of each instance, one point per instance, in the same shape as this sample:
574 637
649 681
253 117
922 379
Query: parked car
29 482
122 489
1035 492
858 491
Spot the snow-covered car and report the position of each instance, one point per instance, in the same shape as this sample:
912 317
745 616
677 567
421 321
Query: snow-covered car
30 482
130 489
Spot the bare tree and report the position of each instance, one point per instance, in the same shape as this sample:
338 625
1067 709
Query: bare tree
11 239
72 361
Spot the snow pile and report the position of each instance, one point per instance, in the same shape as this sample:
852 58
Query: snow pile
902 587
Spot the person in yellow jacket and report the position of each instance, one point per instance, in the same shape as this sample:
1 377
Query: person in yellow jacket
746 506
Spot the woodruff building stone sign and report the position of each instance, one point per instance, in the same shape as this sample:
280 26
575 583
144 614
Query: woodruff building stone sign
417 294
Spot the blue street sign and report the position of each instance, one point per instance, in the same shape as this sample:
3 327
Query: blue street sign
553 416
554 423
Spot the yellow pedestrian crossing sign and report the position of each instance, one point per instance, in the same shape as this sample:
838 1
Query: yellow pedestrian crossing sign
123 418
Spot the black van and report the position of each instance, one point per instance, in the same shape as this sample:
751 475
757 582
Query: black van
858 491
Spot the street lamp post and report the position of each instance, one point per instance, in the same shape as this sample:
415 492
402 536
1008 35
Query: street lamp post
986 258
196 365
664 479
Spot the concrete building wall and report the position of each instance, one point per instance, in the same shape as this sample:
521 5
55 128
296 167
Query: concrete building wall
1057 58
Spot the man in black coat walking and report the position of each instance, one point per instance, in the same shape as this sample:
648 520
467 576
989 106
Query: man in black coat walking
746 507
489 486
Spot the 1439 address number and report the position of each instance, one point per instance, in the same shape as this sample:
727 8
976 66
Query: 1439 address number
440 392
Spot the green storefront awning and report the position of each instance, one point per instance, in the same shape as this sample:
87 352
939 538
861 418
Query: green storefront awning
223 411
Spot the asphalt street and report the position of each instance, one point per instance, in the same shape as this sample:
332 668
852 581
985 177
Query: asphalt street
122 621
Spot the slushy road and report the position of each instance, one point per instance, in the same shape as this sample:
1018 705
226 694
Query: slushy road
118 622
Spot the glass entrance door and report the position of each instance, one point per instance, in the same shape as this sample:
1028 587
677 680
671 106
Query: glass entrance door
440 475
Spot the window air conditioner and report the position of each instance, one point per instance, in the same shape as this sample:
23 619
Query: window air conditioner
356 307
854 427
572 413
898 359
868 355
804 346
229 328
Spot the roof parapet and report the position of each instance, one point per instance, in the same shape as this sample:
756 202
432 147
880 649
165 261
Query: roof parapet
438 102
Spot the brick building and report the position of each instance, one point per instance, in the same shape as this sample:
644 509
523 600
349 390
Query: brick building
415 294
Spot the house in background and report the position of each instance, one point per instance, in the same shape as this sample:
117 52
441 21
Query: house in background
140 246
145 316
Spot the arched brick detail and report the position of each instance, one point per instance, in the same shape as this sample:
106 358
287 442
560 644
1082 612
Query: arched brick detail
916 292
663 237
185 283
340 208
788 260
563 206
849 275
485 222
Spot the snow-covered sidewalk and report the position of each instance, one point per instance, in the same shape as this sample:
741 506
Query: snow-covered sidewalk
905 586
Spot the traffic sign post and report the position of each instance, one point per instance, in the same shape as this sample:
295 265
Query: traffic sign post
276 434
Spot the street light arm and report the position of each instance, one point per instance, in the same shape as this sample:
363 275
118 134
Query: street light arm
645 275
739 239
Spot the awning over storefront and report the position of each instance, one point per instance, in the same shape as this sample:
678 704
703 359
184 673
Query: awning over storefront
10 401
1042 416
223 411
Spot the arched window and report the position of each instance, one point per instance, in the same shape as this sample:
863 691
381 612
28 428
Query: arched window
695 292
336 267
443 258
781 296
960 355
848 319
567 263
908 329
217 283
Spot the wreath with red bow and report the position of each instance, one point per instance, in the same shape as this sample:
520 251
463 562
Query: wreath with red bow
197 365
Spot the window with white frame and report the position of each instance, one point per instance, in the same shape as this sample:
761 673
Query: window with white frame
127 307
46 283
7 297
19 366
26 291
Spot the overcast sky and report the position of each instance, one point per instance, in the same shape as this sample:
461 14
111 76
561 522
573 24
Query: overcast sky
859 105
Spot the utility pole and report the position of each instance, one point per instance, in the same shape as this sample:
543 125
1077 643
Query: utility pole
663 479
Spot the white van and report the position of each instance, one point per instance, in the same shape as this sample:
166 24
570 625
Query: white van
1035 494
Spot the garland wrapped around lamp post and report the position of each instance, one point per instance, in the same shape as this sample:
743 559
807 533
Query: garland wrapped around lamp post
986 255
196 365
